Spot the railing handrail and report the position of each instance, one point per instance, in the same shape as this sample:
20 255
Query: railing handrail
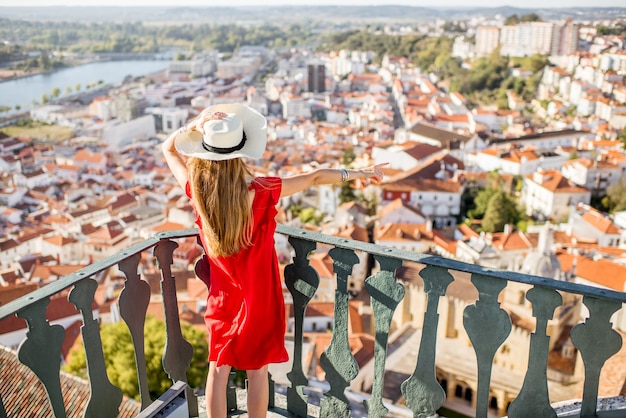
486 325
96 267
444 262
374 249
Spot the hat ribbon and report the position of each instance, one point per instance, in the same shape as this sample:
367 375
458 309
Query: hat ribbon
220 150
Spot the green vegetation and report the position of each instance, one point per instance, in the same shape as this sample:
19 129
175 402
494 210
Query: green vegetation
120 358
615 199
39 131
139 38
495 207
515 19
486 81
618 29
622 137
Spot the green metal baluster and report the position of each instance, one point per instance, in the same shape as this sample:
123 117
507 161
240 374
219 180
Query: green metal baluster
178 351
231 392
133 303
585 337
487 326
105 398
423 394
41 352
385 293
302 281
533 399
337 360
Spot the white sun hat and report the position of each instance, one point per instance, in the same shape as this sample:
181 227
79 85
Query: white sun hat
237 131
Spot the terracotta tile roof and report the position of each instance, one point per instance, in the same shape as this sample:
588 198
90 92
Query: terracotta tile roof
397 204
419 150
87 157
323 264
23 395
555 182
60 240
447 139
613 274
600 222
513 241
467 231
47 272
355 233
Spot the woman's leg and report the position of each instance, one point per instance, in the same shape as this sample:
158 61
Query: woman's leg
258 396
216 383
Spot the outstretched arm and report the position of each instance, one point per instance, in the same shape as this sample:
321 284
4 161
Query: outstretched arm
174 160
299 182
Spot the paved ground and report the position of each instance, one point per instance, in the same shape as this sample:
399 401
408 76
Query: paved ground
280 409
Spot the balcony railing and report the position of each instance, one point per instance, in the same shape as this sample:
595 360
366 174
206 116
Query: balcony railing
485 324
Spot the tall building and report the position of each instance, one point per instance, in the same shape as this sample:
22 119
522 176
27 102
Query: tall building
317 78
568 38
528 38
545 38
487 39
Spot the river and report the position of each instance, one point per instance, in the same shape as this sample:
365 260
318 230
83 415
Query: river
22 91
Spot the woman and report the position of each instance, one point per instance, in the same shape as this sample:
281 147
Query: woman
245 313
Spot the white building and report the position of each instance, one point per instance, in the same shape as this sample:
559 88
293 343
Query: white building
588 225
517 161
593 175
548 194
117 133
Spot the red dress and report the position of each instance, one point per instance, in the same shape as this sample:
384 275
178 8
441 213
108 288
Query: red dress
245 312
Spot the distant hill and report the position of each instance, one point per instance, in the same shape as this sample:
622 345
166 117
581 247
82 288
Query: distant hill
212 14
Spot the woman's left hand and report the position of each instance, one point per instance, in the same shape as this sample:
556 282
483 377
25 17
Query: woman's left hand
374 173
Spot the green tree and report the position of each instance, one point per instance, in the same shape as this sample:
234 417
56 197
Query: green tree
501 210
622 137
310 216
481 202
615 198
512 20
530 17
44 61
348 157
120 359
56 92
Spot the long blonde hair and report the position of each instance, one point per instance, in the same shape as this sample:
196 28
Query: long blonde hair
220 192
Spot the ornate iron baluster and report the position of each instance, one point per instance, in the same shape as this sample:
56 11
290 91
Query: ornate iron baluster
487 326
178 351
423 394
386 293
133 303
585 337
533 399
41 352
302 281
105 398
337 360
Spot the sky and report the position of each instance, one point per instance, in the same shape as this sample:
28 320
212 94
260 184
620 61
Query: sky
237 3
